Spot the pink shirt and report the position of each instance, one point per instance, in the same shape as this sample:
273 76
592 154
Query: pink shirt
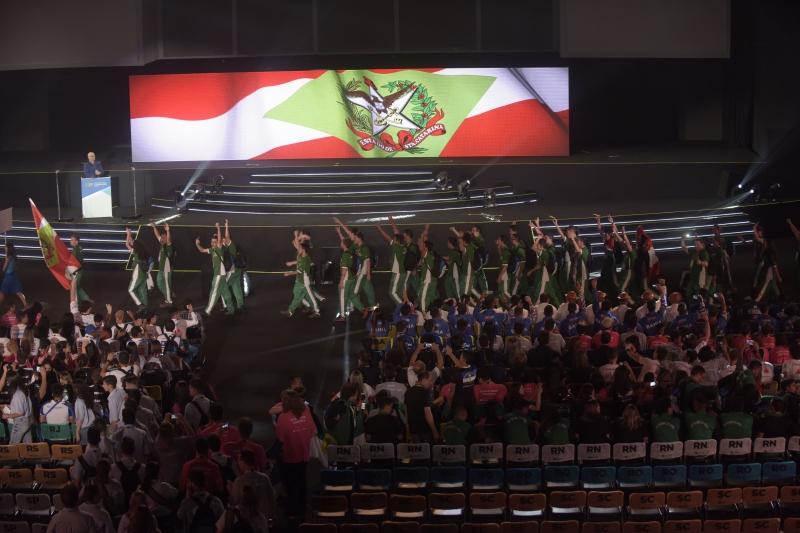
654 342
768 342
779 355
295 433
229 434
586 342
490 391
614 339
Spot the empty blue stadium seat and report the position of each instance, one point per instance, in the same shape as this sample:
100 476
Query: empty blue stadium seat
562 476
374 479
669 475
337 480
634 476
779 473
705 476
411 477
523 479
486 479
744 474
598 477
448 477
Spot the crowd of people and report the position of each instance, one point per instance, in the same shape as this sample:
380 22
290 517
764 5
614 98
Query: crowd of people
557 356
157 452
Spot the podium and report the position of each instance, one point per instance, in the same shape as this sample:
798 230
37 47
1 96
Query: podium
96 197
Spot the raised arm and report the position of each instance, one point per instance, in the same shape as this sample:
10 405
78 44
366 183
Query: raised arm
227 234
459 234
395 229
424 236
614 228
128 239
219 236
197 243
683 244
383 232
599 227
794 229
555 222
346 230
756 238
155 230
626 243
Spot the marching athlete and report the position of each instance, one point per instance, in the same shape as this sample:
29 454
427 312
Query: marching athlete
77 251
698 267
364 275
302 282
627 276
234 275
608 275
399 279
452 287
164 277
428 276
141 281
503 283
347 280
219 286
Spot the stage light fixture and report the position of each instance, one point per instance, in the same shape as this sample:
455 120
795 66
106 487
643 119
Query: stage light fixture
772 192
741 185
180 201
463 190
246 287
489 198
442 181
216 183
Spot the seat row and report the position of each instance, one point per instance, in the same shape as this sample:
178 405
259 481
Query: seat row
16 480
791 525
421 479
28 453
497 507
729 450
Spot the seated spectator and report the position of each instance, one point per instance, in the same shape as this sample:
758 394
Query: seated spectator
58 410
664 427
518 427
199 509
736 424
519 363
553 428
458 432
383 427
630 427
613 337
700 425
774 423
370 374
518 329
592 428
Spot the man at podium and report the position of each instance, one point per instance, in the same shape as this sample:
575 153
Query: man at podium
93 168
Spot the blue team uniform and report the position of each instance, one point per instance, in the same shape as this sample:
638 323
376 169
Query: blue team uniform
764 319
526 331
650 321
751 310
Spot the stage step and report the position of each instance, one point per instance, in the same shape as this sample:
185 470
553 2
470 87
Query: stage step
337 207
101 243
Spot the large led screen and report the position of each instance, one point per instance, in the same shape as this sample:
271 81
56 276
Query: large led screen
350 114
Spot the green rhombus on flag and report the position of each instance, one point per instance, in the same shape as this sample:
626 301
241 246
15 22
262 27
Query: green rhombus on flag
402 113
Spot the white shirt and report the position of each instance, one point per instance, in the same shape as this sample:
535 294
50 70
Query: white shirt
412 377
672 313
643 309
767 372
607 371
128 463
3 342
91 455
121 373
116 328
57 412
116 401
791 368
540 311
143 444
191 414
525 344
619 312
562 312
713 369
650 365
72 521
100 515
396 390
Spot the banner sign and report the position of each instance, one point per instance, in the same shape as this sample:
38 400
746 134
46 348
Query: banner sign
350 114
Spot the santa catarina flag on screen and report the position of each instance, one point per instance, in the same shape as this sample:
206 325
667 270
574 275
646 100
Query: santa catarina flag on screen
57 257
350 114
